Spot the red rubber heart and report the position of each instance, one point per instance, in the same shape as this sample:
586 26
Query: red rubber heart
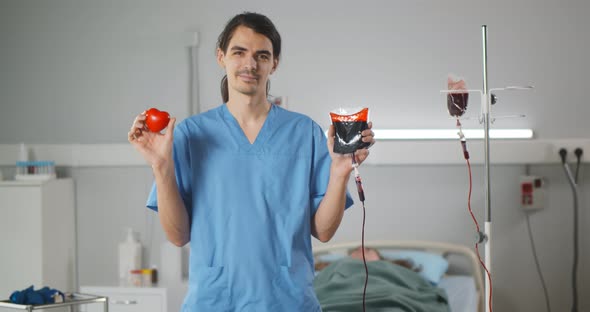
156 120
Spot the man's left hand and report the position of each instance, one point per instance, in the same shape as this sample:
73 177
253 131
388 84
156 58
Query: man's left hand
342 162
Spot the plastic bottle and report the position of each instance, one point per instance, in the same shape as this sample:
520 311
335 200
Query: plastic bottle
129 257
23 153
21 162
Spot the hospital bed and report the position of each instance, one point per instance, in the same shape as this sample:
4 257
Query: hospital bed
462 280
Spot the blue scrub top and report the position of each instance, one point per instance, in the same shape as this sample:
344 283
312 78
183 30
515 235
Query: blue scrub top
250 206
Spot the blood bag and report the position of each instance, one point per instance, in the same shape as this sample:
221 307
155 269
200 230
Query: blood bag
348 125
457 101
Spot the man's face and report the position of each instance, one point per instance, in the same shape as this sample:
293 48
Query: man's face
248 62
370 254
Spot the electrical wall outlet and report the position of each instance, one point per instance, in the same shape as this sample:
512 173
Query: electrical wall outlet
532 192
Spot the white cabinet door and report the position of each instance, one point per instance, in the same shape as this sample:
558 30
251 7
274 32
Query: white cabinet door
20 243
37 235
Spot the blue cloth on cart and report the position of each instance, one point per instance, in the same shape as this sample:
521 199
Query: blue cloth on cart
29 295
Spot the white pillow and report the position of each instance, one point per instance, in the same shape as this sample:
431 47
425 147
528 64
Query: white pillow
432 266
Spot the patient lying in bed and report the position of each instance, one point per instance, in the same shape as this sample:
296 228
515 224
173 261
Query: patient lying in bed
392 286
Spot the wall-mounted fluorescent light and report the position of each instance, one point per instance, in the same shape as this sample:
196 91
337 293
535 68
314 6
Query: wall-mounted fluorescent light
447 134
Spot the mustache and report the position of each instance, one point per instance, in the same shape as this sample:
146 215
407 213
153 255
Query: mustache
247 72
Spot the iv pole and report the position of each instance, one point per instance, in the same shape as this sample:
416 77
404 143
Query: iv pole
487 98
487 239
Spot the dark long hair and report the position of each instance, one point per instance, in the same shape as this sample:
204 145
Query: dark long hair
259 24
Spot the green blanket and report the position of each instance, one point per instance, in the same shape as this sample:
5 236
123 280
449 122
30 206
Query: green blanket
391 287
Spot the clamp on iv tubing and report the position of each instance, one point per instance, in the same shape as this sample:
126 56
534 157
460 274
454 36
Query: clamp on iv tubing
357 179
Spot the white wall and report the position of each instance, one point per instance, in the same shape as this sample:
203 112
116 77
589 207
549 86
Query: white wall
79 71
77 63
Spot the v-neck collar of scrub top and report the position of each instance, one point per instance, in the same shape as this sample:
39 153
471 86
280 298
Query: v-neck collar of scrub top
240 137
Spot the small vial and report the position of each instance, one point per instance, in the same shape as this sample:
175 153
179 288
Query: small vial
146 277
135 278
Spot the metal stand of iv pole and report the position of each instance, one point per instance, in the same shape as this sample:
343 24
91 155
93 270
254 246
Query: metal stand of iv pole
487 99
